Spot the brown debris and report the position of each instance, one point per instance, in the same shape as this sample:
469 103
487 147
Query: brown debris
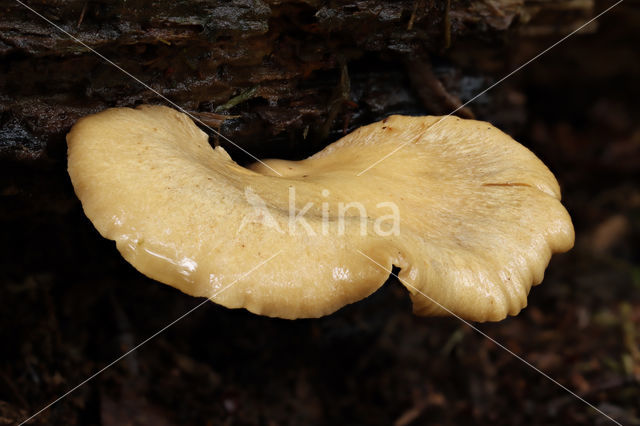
432 92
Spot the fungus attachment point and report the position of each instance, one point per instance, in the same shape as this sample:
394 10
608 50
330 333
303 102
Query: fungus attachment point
469 215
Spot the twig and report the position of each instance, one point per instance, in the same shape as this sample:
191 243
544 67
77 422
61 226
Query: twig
84 10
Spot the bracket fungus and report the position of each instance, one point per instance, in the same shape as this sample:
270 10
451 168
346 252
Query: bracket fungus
470 216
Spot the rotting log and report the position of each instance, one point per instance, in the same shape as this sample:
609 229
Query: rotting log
279 78
206 56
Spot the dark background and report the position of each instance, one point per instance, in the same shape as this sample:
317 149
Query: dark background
285 78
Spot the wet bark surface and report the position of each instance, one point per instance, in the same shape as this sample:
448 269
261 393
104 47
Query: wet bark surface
286 78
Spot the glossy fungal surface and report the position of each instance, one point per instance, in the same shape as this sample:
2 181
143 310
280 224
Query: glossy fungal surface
470 216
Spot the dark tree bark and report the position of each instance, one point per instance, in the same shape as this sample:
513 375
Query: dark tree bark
279 78
275 67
